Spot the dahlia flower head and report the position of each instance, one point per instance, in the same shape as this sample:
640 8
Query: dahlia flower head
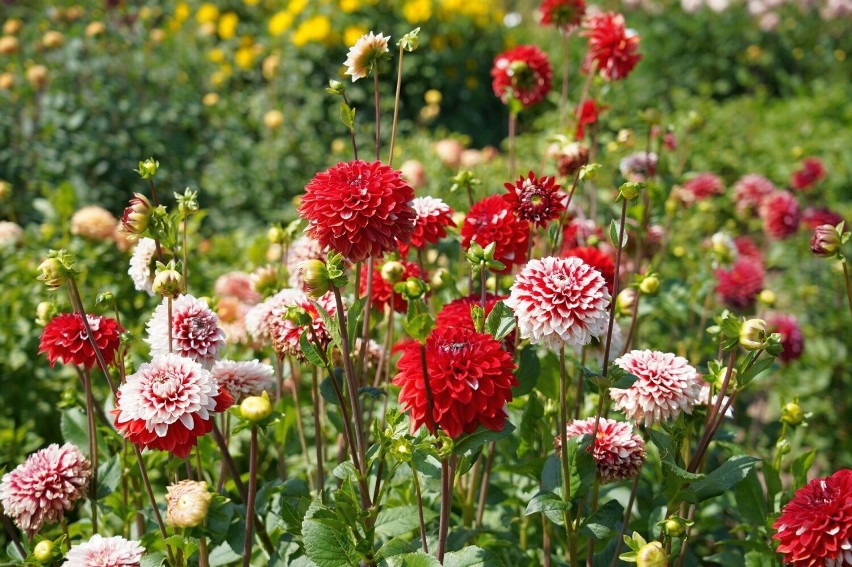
580 232
102 551
168 404
94 223
259 317
739 286
364 54
48 483
195 330
813 217
141 265
492 220
285 334
242 379
523 73
618 452
749 192
187 503
564 14
780 214
808 175
456 313
588 115
700 187
430 225
815 527
238 285
65 338
536 200
560 301
470 378
638 166
612 47
791 335
383 293
666 386
596 258
359 209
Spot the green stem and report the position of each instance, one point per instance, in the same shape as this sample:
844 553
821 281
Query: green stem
419 495
848 283
396 106
317 433
252 493
566 468
93 447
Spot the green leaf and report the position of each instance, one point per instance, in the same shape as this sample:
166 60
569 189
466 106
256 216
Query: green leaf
353 318
327 388
347 116
400 520
75 429
155 559
328 541
529 369
773 484
418 559
800 468
750 499
754 371
419 326
109 475
545 501
720 480
471 556
582 466
393 547
290 517
500 322
664 444
480 437
330 324
603 521
672 468
310 350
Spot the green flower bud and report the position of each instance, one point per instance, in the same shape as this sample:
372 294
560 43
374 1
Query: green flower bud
275 235
673 528
625 301
792 414
753 334
649 285
414 288
767 297
298 316
784 446
335 88
256 408
45 312
43 551
168 282
393 272
825 241
651 555
440 279
630 190
148 168
316 277
410 41
402 450
56 268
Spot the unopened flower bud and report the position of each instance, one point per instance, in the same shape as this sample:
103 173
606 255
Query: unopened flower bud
673 528
753 334
825 241
168 282
275 235
767 297
136 215
148 168
440 278
335 87
649 285
265 280
43 551
651 555
784 446
402 450
630 190
316 278
792 414
256 408
298 316
393 272
187 503
45 312
415 288
53 273
625 301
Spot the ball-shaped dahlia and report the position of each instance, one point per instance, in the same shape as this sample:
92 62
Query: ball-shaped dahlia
523 73
750 191
492 220
470 380
383 293
65 338
286 332
748 249
238 285
195 330
612 47
93 222
806 177
701 186
40 490
791 335
243 378
168 404
537 200
618 452
433 218
739 286
815 527
564 14
560 301
359 209
187 503
456 313
141 265
813 217
638 166
666 385
780 215
596 258
102 551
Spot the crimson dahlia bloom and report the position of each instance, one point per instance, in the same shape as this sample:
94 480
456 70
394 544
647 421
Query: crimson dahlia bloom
702 186
456 313
612 47
564 14
470 379
791 335
813 217
815 527
739 286
359 209
168 404
492 220
618 452
588 115
595 258
780 214
65 338
523 73
48 483
812 170
430 226
537 200
383 293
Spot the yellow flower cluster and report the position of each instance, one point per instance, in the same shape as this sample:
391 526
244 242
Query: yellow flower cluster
314 29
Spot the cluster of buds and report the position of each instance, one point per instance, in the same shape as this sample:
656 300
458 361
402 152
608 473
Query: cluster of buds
483 258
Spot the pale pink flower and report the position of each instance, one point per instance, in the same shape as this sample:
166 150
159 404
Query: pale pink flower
560 301
285 333
244 378
11 234
47 484
232 319
238 285
102 551
750 191
618 452
93 222
141 264
259 318
195 330
666 385
364 54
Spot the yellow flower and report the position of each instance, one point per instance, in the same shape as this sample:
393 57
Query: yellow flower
216 55
432 96
280 22
251 2
181 12
349 6
314 29
210 99
228 25
416 11
207 14
270 66
297 6
352 34
244 57
273 119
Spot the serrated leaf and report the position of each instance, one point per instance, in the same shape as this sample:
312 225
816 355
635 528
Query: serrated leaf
470 556
753 372
309 350
328 542
545 501
480 437
290 517
603 521
670 467
156 559
500 321
614 229
720 480
330 325
418 559
347 116
399 520
393 547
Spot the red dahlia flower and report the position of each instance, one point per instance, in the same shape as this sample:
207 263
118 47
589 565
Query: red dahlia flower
492 220
383 293
536 200
812 171
791 335
780 214
747 249
739 286
168 404
750 191
433 216
702 186
815 527
564 14
588 115
470 381
523 73
595 258
65 338
814 217
359 209
612 47
456 313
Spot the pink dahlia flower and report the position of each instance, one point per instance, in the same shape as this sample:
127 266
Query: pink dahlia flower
238 285
168 404
818 216
701 186
259 317
618 452
791 335
812 170
750 191
244 378
285 334
48 483
739 286
102 551
142 264
780 214
560 301
564 14
666 385
195 330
